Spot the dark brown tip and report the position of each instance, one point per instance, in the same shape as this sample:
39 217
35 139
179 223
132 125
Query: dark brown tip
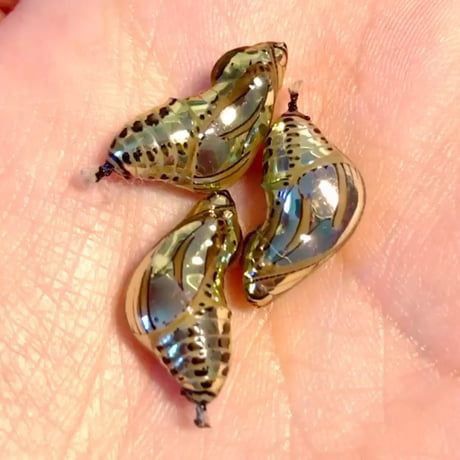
201 420
105 170
294 96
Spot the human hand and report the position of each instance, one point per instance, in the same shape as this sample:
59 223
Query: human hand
360 360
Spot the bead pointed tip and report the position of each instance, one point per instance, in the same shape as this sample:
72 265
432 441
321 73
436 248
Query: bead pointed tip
104 170
201 420
294 91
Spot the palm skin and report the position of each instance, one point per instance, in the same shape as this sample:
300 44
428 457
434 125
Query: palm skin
360 360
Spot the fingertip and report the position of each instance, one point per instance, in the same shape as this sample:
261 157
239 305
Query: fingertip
6 6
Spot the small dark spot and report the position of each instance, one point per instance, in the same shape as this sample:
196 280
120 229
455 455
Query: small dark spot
164 176
207 294
317 131
225 371
206 384
150 155
225 357
201 372
172 101
123 133
137 126
196 360
163 112
190 332
209 112
290 151
202 116
175 179
137 155
173 371
151 120
166 360
192 346
330 148
112 145
185 145
226 328
223 342
307 118
201 304
126 158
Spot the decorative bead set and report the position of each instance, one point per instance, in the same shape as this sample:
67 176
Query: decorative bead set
175 302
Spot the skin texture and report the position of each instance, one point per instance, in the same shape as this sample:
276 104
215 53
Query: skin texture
361 360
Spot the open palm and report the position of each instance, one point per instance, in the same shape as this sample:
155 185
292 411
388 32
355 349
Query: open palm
358 361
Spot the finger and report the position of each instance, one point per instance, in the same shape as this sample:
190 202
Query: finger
67 114
7 5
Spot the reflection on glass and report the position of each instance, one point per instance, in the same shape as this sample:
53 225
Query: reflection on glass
321 187
288 222
166 300
228 115
180 136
